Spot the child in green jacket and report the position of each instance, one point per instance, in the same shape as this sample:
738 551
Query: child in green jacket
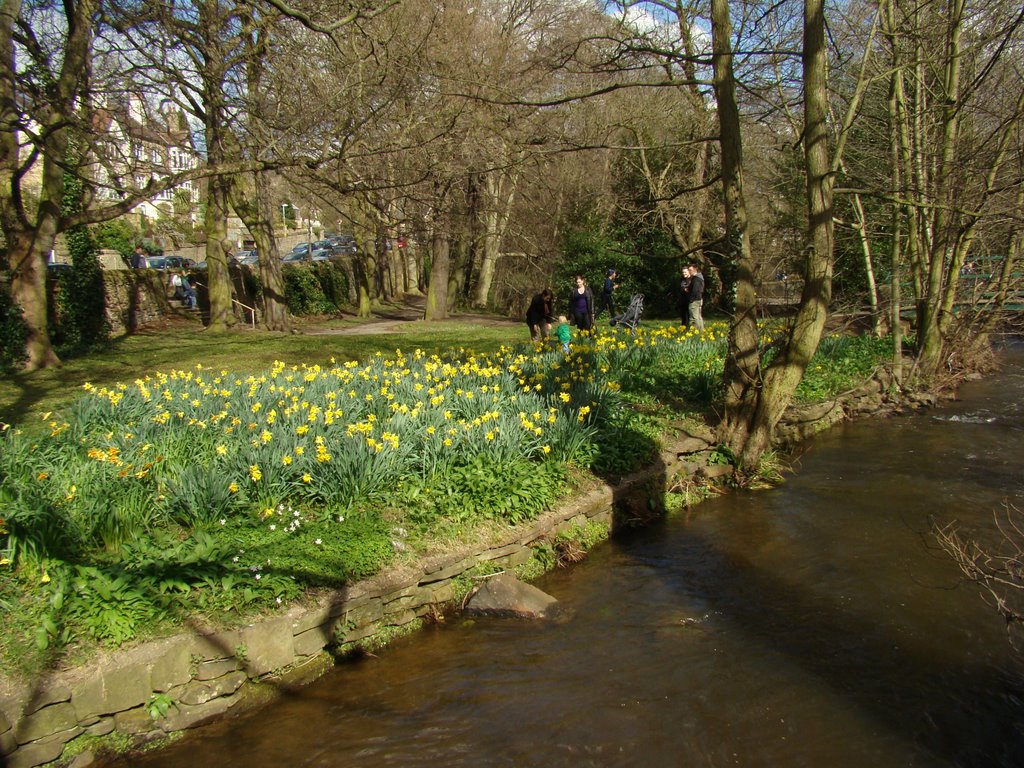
563 332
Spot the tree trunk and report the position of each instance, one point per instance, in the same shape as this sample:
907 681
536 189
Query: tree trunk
942 246
757 406
215 224
250 198
742 366
869 267
440 266
27 257
29 237
501 194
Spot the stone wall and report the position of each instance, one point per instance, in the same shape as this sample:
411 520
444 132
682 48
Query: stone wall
135 297
199 676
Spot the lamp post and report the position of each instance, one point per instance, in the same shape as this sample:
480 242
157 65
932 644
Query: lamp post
284 217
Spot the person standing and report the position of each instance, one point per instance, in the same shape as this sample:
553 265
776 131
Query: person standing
684 297
695 297
139 258
581 304
611 282
538 316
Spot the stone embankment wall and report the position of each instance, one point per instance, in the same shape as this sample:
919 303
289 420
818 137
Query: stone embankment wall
209 674
198 676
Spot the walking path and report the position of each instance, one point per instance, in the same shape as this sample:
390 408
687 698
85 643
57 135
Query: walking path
410 310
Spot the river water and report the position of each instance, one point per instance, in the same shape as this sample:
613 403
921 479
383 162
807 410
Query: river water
817 624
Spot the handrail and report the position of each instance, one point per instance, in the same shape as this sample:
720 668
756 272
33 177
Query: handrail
252 310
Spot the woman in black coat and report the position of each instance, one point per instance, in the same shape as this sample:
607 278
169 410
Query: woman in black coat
539 316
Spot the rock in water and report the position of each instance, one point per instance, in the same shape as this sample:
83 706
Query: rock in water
505 595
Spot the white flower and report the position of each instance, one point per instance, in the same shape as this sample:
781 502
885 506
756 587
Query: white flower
223 521
341 518
259 576
273 527
318 542
279 601
234 559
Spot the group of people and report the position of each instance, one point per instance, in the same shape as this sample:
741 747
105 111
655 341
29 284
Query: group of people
581 310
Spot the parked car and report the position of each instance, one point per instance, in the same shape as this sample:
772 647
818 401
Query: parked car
179 262
298 257
342 247
57 268
246 257
156 262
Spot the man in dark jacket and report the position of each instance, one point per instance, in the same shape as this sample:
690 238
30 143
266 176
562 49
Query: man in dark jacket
611 282
696 297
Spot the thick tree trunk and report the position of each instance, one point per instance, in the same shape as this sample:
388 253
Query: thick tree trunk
742 366
27 257
757 406
30 236
215 224
943 246
250 197
440 264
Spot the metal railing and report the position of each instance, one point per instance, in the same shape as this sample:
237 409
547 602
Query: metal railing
252 310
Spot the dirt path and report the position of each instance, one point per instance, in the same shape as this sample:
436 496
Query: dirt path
411 310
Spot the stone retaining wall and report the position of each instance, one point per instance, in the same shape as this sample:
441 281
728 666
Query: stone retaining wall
207 675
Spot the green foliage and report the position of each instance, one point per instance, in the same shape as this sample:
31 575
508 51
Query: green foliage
108 605
324 547
586 250
13 332
477 489
117 235
626 441
841 363
158 705
333 282
81 316
317 288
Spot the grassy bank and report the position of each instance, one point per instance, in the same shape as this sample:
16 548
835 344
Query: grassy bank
230 480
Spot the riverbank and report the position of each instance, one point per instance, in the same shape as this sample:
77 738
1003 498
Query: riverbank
251 659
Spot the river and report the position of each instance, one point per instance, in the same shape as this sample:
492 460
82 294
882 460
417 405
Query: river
817 624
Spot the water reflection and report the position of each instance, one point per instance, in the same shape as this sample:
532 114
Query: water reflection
813 625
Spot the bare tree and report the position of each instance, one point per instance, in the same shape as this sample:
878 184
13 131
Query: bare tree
50 93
